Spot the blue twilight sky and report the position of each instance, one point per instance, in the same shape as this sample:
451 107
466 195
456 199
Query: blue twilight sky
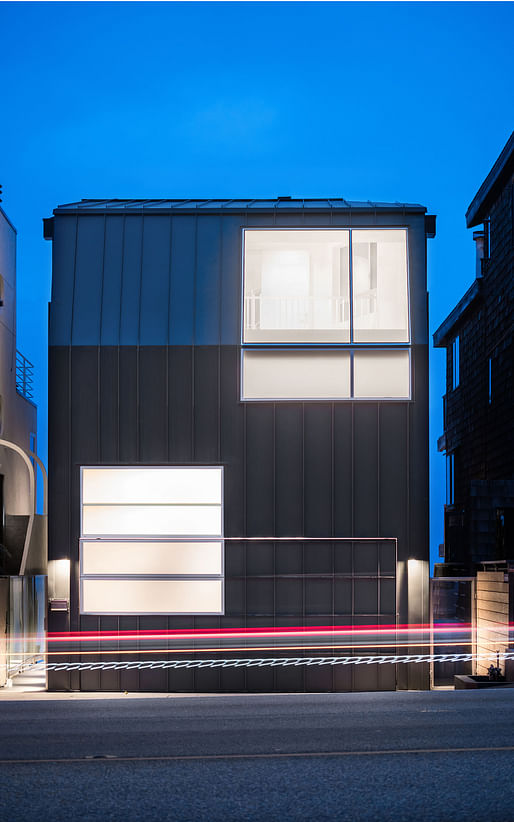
382 101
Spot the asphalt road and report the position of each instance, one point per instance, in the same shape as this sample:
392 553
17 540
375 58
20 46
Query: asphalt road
442 756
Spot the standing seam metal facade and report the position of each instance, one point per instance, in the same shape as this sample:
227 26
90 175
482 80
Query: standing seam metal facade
145 329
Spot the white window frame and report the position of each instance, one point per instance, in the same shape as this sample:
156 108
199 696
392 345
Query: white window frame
351 346
161 538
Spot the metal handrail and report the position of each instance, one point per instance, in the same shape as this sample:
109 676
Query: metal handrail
24 376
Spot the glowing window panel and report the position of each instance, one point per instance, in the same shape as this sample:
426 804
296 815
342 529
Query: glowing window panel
152 486
151 596
286 375
151 520
379 286
296 286
381 374
149 558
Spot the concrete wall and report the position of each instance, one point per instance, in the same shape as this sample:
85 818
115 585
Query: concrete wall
18 416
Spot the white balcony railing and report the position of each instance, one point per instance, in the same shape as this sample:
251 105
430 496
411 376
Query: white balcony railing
305 312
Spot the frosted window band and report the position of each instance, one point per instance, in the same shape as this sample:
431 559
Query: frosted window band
380 291
118 558
296 286
151 596
152 520
381 374
296 375
152 485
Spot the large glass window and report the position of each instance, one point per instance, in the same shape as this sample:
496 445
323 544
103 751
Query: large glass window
379 278
296 286
151 540
329 293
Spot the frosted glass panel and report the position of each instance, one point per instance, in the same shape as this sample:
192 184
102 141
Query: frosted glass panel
102 557
382 374
380 293
296 286
151 596
296 374
151 485
152 520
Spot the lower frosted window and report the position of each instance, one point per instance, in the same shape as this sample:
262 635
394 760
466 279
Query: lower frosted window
146 558
152 520
151 540
296 375
381 374
151 596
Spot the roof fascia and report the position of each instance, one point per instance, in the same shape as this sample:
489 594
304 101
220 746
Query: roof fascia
477 210
445 330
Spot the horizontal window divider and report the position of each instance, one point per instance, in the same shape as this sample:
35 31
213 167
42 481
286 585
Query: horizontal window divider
131 538
152 504
132 577
144 538
364 346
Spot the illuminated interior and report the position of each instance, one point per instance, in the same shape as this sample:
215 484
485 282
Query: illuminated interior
139 550
314 288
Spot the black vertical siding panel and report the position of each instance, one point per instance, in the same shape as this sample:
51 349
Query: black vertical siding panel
153 417
131 280
109 680
182 284
393 470
207 292
343 438
87 295
63 270
231 281
206 407
84 451
128 405
90 680
59 458
154 680
317 470
108 405
59 489
155 281
232 440
365 469
418 458
180 407
112 274
288 470
259 470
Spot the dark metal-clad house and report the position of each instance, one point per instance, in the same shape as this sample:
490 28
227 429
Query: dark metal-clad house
238 428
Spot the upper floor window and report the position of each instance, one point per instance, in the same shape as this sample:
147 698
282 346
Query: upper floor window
325 286
455 362
450 479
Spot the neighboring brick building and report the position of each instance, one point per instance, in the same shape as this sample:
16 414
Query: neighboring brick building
478 406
